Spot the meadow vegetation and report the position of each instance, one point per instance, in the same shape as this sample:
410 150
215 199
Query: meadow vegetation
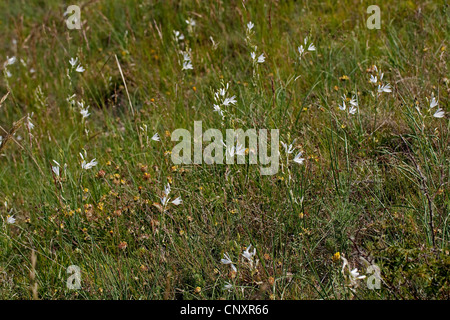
85 156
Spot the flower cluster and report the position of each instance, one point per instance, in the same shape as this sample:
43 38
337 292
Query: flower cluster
303 50
222 99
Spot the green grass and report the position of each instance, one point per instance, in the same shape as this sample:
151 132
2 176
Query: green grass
374 185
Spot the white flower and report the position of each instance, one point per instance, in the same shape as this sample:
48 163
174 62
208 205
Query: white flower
217 109
226 260
87 165
1 140
178 35
223 91
164 200
240 150
289 149
229 101
85 112
177 201
228 286
355 274
298 158
311 47
155 137
10 61
433 102
260 59
353 101
250 26
342 106
439 113
167 189
190 22
249 255
373 79
55 169
10 219
79 68
187 65
8 74
384 88
186 55
30 125
352 110
73 61
301 50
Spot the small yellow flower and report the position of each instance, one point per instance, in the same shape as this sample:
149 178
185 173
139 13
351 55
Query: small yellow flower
344 78
198 290
337 257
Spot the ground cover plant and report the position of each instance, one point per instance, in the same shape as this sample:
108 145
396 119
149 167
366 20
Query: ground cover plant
93 207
